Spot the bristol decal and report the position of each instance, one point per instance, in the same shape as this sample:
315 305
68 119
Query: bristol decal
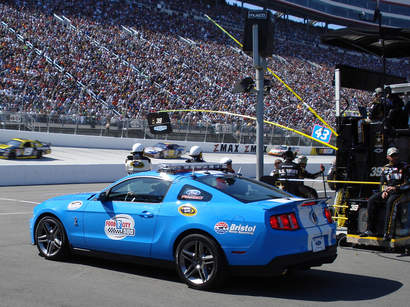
119 227
187 210
74 205
242 229
222 228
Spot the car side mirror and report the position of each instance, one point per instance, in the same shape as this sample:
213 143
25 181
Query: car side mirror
103 196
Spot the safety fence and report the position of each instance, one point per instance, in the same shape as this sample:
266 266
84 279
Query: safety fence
186 129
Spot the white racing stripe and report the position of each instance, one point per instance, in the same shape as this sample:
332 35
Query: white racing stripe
20 201
15 213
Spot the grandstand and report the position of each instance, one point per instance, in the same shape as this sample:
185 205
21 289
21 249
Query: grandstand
90 63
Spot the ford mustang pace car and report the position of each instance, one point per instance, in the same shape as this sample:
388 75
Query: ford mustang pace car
24 149
200 218
164 150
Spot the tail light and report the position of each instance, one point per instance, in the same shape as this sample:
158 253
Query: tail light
328 215
286 221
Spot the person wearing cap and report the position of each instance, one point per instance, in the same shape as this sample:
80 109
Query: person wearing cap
377 108
227 162
196 155
136 162
304 190
276 167
394 175
289 172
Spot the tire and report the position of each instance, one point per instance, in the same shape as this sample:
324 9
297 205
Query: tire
39 154
200 262
12 155
51 239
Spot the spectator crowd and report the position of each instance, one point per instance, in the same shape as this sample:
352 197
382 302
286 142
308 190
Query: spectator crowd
124 59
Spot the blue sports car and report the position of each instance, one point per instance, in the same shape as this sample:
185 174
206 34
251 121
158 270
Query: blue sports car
204 220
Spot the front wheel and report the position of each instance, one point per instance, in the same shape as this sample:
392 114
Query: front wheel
199 262
51 239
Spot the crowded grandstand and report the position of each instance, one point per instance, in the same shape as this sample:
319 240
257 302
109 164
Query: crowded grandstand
115 60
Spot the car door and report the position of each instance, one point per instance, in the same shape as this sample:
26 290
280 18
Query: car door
28 149
124 221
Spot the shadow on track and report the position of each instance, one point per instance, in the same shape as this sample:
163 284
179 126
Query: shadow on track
313 285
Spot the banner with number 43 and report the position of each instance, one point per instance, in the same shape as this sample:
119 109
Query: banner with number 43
321 133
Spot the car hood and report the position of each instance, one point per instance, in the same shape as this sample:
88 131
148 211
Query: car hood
73 197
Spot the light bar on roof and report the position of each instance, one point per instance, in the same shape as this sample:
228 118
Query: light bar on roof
189 167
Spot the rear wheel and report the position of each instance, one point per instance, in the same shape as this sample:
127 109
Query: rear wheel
12 155
51 238
199 262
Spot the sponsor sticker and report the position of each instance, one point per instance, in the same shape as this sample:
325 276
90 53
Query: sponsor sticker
192 194
242 229
187 210
137 164
222 228
119 227
74 205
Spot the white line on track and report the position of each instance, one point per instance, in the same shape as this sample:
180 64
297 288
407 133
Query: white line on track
20 201
15 213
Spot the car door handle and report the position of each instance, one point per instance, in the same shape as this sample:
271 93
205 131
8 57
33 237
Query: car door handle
146 214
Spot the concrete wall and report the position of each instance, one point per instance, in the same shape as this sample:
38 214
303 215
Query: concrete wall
12 175
87 141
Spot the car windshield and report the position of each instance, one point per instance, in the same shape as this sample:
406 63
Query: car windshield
243 189
14 143
160 145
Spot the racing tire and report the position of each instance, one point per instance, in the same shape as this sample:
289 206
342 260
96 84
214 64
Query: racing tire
39 154
200 262
51 239
161 155
12 155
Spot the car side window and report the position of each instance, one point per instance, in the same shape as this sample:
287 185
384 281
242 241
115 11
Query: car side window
145 189
191 193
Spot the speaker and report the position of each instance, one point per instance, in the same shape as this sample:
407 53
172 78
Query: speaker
265 33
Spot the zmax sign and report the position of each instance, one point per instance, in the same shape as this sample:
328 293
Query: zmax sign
238 148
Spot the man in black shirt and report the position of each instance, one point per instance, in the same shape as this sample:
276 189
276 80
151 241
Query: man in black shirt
394 175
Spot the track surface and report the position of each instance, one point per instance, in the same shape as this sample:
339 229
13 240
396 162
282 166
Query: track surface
75 155
356 278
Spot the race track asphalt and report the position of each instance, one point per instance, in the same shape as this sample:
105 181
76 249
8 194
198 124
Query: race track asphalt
357 278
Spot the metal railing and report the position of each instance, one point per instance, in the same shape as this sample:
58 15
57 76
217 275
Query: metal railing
183 130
